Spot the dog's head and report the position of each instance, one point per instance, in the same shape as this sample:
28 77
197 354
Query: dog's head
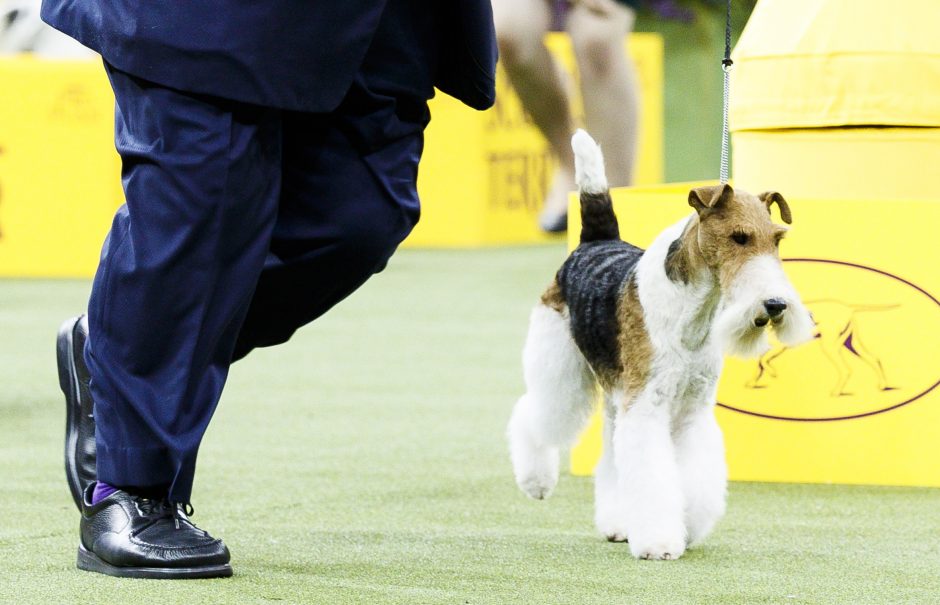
740 245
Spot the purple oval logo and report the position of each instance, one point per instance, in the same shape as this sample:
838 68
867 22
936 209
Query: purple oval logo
876 349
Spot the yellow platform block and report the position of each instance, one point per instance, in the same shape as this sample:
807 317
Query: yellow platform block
840 163
860 404
826 63
484 176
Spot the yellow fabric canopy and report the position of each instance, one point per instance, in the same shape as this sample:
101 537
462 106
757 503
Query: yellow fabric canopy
827 63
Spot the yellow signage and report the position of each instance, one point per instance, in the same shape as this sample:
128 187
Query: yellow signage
59 173
482 178
860 403
861 314
484 175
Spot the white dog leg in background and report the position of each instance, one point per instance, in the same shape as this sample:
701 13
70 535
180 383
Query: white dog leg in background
608 509
649 478
556 406
700 453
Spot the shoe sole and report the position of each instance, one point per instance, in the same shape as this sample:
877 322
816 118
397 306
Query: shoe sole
68 382
89 561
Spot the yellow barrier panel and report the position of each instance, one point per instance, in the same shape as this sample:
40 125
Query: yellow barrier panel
482 179
861 403
484 175
59 172
840 163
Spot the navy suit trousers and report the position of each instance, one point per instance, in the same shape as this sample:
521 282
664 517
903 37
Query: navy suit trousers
242 223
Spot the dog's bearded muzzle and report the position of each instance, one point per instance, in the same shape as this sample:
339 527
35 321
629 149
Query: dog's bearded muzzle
794 326
762 300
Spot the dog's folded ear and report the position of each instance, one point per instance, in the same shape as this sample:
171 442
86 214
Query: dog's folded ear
772 197
705 199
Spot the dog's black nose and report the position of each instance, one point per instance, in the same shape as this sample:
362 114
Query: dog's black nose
775 306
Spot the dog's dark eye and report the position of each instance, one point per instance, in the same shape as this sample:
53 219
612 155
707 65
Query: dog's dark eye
739 238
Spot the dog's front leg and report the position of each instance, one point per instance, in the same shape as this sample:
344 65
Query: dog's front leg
648 478
701 455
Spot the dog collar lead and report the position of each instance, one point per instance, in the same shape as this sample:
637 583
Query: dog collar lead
726 64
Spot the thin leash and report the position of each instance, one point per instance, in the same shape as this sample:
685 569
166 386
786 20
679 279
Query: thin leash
726 64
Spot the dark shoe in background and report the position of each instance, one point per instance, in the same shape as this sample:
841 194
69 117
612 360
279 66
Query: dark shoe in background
79 418
135 537
554 223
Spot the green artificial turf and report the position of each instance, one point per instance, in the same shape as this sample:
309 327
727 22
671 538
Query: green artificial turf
365 462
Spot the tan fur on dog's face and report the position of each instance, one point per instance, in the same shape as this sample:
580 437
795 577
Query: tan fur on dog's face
734 227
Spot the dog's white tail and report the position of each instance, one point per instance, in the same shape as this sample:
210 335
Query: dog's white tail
598 221
588 163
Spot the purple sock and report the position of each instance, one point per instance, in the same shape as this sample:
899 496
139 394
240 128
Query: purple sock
102 491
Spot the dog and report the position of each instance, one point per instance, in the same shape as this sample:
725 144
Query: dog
650 328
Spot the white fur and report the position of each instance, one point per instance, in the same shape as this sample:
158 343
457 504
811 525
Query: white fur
661 481
556 405
608 509
649 484
760 279
700 453
796 325
588 163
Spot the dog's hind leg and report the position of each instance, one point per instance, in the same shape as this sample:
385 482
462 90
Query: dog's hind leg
700 452
872 361
556 406
608 509
833 349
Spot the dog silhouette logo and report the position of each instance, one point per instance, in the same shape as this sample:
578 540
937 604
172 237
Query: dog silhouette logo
875 331
838 332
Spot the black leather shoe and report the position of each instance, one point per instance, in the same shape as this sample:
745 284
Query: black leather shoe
79 415
134 537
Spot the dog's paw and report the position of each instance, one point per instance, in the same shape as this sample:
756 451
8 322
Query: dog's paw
658 550
537 487
535 469
612 532
609 526
616 536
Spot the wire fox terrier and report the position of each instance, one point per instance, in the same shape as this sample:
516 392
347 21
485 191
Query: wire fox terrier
651 328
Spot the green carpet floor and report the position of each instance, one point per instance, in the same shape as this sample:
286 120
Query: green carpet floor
365 462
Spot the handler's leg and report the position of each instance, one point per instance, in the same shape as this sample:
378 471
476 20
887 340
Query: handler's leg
177 272
342 215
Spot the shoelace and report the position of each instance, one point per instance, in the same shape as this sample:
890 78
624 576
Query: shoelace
163 508
185 508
